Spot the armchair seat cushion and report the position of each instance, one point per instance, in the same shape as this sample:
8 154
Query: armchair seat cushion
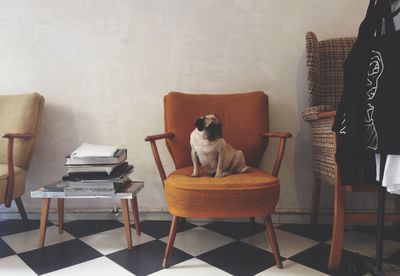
251 194
19 182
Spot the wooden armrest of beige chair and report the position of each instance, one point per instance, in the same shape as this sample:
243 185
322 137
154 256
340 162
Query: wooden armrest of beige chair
10 162
328 114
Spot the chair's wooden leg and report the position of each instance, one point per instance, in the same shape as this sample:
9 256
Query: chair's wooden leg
135 211
43 219
272 239
171 240
60 211
338 228
315 202
127 225
21 208
396 224
181 224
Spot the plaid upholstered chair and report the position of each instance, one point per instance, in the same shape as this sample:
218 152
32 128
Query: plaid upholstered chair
244 117
325 60
20 116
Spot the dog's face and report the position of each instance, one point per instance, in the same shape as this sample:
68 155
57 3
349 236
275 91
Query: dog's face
211 125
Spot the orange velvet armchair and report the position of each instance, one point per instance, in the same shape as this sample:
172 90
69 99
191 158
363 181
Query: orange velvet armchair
244 120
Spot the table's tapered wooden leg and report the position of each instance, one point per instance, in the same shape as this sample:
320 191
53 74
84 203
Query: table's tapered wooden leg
135 211
125 213
43 219
60 210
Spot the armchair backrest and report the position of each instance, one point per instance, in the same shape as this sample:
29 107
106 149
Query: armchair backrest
243 116
325 60
20 114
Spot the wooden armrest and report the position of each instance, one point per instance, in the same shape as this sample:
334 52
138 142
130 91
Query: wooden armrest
281 148
326 114
17 135
10 163
276 134
159 136
152 139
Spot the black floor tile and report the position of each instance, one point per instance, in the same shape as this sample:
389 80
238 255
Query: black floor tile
317 258
15 226
160 228
81 228
321 233
394 259
239 258
59 256
235 230
5 250
147 258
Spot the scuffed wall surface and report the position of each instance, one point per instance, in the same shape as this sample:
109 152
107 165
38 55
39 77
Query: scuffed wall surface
104 66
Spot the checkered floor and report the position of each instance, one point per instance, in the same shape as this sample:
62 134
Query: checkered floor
98 247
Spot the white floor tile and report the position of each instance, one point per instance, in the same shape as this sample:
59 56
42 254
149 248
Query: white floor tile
114 240
289 244
100 267
191 267
199 240
366 244
26 241
13 265
290 268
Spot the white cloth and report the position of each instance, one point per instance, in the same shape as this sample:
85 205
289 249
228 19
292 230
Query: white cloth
391 173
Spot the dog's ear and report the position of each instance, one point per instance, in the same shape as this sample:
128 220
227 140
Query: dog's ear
200 123
214 131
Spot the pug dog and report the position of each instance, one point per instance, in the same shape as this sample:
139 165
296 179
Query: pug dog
212 152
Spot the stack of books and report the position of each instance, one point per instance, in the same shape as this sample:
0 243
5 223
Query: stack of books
96 170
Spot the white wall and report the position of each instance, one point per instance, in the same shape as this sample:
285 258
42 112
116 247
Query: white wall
104 66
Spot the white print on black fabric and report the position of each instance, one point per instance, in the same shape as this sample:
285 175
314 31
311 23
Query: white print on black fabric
343 125
375 71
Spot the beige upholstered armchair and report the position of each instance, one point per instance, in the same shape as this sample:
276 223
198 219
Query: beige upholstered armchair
325 60
19 119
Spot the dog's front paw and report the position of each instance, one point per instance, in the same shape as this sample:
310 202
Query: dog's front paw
195 174
218 175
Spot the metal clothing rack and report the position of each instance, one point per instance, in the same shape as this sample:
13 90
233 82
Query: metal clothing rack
381 214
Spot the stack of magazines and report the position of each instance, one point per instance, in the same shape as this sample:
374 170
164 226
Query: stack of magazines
96 170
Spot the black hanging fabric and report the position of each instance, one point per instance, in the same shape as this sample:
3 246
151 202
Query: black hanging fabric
383 88
366 117
354 161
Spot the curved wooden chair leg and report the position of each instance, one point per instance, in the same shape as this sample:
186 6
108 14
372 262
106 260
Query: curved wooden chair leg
171 240
21 208
181 223
272 239
338 229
